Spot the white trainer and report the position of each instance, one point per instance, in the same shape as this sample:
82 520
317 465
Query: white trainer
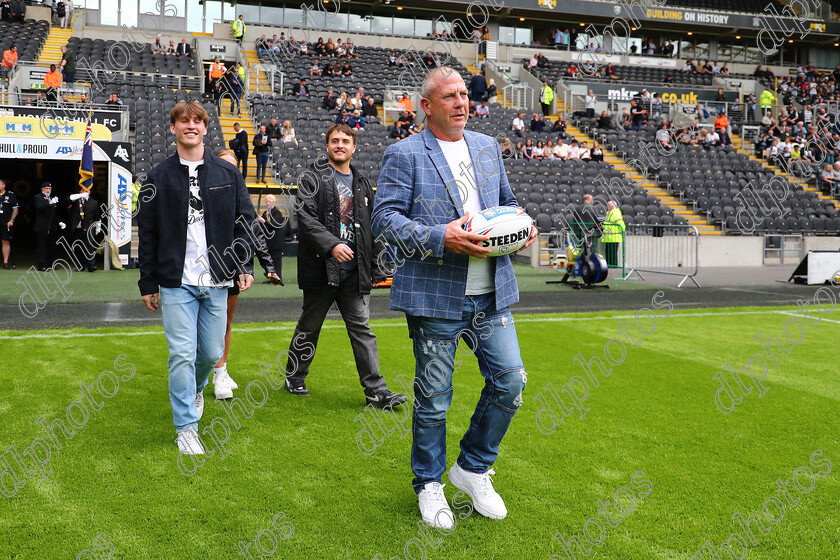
223 385
199 404
188 443
433 506
479 487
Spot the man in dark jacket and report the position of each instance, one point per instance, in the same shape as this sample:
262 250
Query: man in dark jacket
46 225
337 261
239 146
478 86
277 229
196 238
262 149
18 11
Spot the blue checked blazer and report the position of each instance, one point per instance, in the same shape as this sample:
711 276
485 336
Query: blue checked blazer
416 197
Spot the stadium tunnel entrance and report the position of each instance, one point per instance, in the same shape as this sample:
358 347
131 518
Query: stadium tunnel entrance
24 178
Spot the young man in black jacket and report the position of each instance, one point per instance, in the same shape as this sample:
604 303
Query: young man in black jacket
337 262
196 238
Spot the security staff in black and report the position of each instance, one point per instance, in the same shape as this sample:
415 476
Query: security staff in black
337 261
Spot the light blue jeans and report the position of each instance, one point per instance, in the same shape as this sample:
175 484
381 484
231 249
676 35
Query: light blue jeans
491 335
194 320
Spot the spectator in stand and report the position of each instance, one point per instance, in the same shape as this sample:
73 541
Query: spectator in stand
287 133
561 150
574 150
114 99
18 11
720 100
369 109
392 59
328 102
483 111
273 129
10 58
328 70
528 150
571 71
519 125
471 110
343 117
171 48
342 103
689 67
507 149
477 87
537 123
315 69
158 47
184 48
356 120
262 149
604 121
518 151
533 62
597 153
52 83
638 115
264 46
591 100
405 103
542 61
347 70
549 150
559 127
301 89
539 150
722 128
218 93
357 102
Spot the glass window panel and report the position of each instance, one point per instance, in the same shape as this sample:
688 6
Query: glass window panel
110 12
622 46
292 16
753 55
382 24
195 13
358 24
422 27
174 8
128 13
725 51
403 26
91 4
251 13
335 22
523 35
149 7
442 25
506 34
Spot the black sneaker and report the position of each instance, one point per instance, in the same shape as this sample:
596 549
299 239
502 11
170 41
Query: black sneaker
384 398
297 388
7 266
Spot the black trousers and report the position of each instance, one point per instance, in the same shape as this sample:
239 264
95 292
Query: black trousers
88 258
355 310
611 250
44 249
546 108
243 163
277 257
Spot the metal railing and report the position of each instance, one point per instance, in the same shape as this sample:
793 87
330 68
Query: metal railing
776 247
662 249
519 96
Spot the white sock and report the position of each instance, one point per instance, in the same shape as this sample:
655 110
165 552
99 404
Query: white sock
218 370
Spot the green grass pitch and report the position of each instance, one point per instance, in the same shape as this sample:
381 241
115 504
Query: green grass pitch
116 489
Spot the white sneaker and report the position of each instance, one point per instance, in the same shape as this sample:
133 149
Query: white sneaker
479 487
199 404
225 377
223 385
433 506
188 443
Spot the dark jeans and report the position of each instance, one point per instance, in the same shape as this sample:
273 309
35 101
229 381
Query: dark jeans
590 113
491 335
355 310
262 164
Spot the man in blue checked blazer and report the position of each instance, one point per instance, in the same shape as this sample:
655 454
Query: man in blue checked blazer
450 289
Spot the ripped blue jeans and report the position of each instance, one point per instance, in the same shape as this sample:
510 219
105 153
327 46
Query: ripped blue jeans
491 336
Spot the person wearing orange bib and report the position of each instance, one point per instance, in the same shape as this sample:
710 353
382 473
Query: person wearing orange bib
217 70
52 81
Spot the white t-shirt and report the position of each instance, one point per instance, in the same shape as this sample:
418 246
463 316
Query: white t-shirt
480 274
196 260
518 124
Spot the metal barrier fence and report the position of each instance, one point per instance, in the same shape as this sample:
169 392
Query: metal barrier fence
662 249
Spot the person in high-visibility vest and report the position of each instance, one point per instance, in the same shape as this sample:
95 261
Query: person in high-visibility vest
52 81
237 26
766 100
217 70
613 233
546 99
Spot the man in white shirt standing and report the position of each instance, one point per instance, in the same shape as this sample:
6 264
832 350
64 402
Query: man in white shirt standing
591 99
195 236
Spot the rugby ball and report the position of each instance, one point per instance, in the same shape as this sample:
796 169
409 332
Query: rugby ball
508 228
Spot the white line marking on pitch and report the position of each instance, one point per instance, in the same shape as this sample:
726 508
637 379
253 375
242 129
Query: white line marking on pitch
800 316
401 324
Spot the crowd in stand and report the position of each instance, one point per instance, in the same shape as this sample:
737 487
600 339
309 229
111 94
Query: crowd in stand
321 49
181 49
13 10
567 39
